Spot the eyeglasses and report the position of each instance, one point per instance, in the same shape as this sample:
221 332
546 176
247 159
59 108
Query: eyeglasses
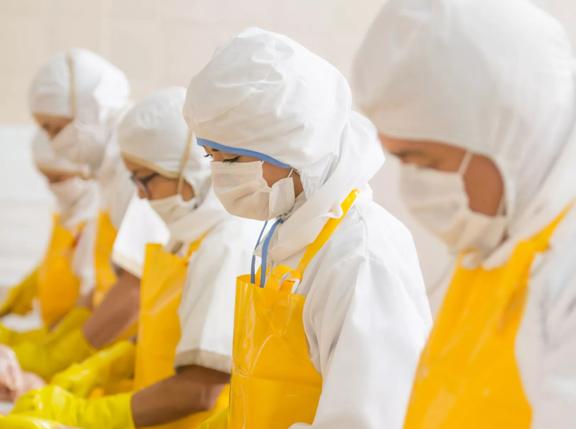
141 183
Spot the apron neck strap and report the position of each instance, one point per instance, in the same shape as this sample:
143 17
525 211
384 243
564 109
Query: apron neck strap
194 246
542 238
282 274
325 234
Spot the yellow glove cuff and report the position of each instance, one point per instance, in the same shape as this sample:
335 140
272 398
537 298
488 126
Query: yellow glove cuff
46 359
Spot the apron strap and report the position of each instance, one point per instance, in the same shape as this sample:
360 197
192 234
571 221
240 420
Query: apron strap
325 234
542 239
72 84
283 277
194 246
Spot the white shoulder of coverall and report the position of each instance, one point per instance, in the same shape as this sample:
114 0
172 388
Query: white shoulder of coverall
366 316
76 202
140 225
84 86
155 135
485 92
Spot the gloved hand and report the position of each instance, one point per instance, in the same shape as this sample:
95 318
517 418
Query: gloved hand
75 318
55 403
107 366
10 337
47 358
20 297
27 422
216 421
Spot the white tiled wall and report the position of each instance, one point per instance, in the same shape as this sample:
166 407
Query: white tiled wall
25 205
159 43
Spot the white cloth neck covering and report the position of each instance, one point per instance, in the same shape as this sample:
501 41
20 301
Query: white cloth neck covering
46 158
266 93
154 134
81 85
430 70
77 198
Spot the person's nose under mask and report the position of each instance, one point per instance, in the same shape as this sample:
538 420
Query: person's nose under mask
243 191
439 201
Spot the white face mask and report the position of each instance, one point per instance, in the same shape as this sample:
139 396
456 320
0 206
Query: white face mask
242 190
438 200
172 208
82 144
70 194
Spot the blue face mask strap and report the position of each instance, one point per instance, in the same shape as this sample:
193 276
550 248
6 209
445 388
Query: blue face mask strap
265 247
253 263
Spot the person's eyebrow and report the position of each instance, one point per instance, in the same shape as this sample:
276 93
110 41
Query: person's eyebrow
143 173
404 153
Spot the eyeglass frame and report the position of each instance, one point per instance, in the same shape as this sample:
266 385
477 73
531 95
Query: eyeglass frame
141 183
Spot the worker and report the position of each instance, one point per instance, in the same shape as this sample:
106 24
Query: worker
77 98
478 102
192 277
328 331
68 261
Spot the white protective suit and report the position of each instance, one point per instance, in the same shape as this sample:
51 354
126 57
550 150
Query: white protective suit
76 203
155 135
366 315
498 79
86 87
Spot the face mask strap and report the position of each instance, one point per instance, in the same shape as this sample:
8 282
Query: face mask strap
71 84
265 247
465 163
184 162
253 262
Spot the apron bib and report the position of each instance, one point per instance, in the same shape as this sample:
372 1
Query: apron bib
162 285
274 382
468 375
58 285
105 277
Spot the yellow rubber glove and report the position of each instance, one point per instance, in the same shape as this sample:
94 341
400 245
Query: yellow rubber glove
55 403
27 422
11 337
50 357
75 317
217 421
73 320
105 367
20 297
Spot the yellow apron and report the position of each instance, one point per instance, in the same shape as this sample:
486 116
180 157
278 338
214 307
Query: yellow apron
105 277
58 285
468 375
162 284
274 383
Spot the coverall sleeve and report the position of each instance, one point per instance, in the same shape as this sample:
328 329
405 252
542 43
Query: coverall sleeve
554 397
366 334
207 307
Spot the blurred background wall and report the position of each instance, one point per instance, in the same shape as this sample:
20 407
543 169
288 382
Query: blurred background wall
158 43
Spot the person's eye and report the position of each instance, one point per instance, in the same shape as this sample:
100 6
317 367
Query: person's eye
235 159
209 156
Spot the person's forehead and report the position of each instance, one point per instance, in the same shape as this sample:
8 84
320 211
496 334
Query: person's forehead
135 167
400 146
